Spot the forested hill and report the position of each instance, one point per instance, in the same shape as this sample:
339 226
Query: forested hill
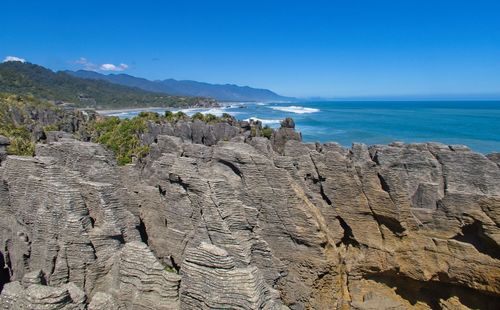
30 79
223 92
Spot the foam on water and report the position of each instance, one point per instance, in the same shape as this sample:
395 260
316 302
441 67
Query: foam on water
473 123
296 109
214 111
264 121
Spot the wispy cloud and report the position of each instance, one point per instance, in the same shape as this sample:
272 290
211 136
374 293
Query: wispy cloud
14 58
112 67
88 65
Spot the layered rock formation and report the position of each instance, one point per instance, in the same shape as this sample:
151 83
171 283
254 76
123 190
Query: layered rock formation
216 217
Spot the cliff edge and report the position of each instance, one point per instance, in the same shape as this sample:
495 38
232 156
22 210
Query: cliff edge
217 217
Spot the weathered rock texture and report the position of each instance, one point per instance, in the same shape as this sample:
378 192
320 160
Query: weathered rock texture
247 222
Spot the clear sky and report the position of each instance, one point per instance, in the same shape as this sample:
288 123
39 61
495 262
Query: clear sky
296 48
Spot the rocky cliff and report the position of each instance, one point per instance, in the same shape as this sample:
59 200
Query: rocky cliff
218 217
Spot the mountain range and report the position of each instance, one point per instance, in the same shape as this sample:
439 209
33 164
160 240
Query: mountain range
221 92
34 80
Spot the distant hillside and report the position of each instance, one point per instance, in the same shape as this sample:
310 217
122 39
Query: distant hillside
30 79
225 92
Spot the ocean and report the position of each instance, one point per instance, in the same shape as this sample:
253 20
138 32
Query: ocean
472 123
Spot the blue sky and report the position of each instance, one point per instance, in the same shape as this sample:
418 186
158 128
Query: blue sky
297 48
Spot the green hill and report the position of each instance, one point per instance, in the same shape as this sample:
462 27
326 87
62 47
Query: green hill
30 79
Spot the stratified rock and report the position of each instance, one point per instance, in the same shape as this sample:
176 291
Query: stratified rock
211 280
217 216
102 301
495 157
37 296
34 277
59 219
284 134
144 283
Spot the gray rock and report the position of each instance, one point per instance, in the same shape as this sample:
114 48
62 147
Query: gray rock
250 223
211 280
4 141
144 283
288 123
37 296
102 301
34 277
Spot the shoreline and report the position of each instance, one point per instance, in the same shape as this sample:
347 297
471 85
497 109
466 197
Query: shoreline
128 109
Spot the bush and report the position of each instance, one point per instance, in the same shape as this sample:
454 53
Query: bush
122 137
198 116
181 115
149 115
21 146
175 117
267 131
210 118
52 127
20 140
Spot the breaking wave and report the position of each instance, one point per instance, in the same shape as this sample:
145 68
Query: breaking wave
296 109
265 121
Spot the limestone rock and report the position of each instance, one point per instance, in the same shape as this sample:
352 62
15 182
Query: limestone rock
144 283
211 280
217 216
102 301
37 296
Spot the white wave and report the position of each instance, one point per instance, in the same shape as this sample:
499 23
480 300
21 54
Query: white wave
296 109
214 111
264 121
121 114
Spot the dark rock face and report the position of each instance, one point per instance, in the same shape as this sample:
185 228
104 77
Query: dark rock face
216 219
494 157
288 123
4 143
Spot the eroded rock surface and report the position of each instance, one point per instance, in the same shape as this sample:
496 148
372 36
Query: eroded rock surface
216 218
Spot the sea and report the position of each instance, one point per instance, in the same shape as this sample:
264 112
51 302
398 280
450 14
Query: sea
475 124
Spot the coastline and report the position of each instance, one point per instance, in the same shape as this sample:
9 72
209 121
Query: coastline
100 111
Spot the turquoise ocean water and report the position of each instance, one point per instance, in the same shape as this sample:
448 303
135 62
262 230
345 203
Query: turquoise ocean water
472 123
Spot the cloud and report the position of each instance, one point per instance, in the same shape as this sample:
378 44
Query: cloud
82 61
112 67
88 65
14 58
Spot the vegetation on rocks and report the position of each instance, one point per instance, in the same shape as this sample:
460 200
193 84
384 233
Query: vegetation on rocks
121 136
210 118
15 119
267 132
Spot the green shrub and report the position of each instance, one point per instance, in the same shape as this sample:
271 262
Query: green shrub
181 115
52 127
122 137
170 269
149 115
210 118
174 117
21 142
198 116
267 131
